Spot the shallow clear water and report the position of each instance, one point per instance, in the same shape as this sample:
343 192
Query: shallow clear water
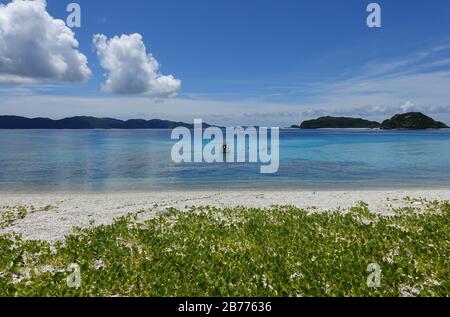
139 160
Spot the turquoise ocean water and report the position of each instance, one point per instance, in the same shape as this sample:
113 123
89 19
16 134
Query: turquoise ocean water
139 160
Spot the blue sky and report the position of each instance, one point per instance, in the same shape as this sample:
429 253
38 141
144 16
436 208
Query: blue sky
259 61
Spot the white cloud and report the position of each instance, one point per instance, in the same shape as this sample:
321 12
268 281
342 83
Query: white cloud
130 69
36 48
407 106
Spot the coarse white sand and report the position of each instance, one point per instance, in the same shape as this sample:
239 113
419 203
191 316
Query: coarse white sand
84 209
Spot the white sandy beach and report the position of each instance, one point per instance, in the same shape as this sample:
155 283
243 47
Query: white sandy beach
71 210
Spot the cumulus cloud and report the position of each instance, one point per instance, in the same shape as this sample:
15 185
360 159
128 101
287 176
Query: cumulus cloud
407 106
130 69
35 47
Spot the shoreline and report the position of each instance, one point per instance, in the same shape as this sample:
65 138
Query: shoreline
56 214
196 190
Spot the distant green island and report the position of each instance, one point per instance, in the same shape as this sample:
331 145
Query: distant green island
406 121
412 121
84 122
338 123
